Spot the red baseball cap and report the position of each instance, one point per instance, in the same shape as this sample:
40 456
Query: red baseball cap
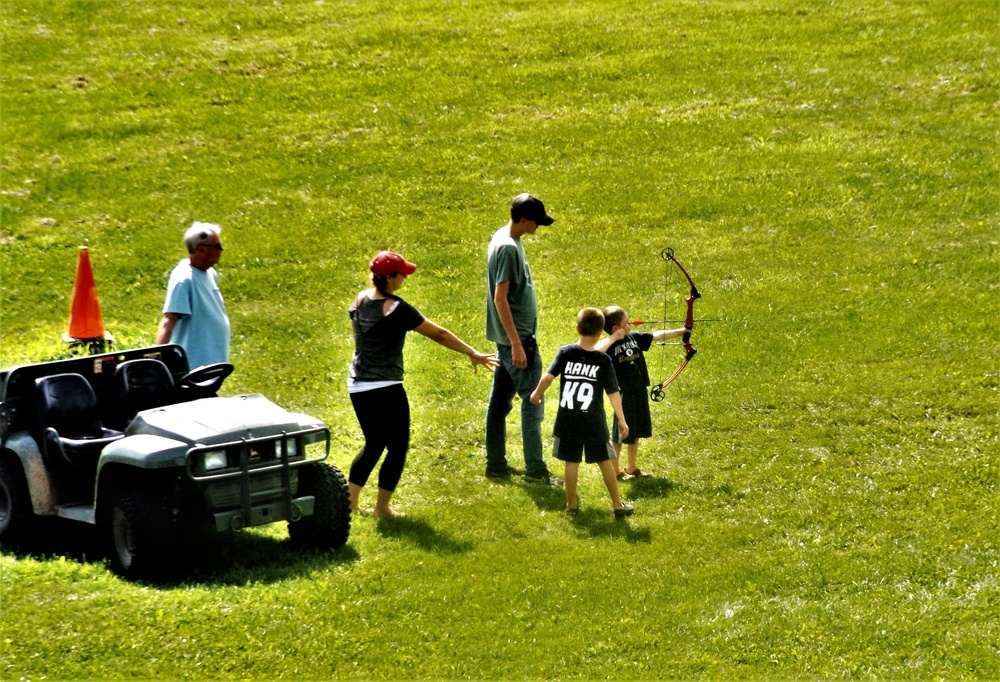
389 263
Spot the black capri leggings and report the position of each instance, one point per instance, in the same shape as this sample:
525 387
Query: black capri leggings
384 416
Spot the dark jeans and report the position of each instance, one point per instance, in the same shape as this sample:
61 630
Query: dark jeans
509 381
384 416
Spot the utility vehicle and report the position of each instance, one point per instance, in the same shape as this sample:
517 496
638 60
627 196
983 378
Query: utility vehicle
137 445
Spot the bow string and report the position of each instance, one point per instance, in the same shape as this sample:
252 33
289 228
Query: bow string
656 393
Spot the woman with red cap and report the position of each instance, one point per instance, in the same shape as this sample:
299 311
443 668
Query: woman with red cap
380 320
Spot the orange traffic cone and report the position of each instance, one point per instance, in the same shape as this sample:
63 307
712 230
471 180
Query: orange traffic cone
85 323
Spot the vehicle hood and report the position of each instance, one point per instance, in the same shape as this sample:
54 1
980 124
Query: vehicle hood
218 420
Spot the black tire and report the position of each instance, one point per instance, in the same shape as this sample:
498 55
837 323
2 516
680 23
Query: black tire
330 524
15 502
142 538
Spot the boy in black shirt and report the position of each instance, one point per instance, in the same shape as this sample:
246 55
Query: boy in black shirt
580 426
626 349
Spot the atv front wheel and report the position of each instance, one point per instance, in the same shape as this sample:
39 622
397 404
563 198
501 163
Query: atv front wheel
142 536
330 523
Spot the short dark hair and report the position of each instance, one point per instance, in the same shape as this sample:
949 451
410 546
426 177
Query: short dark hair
532 208
589 321
381 283
613 316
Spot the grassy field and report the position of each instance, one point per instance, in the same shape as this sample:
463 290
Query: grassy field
826 493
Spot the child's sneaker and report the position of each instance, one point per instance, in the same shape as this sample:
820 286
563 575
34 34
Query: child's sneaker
639 473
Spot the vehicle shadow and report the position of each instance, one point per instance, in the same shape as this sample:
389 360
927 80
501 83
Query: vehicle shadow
224 559
421 534
236 558
51 537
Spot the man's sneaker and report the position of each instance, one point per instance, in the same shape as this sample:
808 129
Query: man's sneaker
545 478
626 510
504 473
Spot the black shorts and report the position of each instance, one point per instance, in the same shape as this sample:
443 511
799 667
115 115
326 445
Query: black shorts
571 450
635 408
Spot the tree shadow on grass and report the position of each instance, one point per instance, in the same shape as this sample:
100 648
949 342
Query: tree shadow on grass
207 559
421 534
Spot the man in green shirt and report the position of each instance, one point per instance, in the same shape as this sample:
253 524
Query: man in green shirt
512 323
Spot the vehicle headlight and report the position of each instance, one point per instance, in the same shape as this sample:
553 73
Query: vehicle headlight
215 459
293 447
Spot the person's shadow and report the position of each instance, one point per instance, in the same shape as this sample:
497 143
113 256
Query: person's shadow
602 523
421 534
547 498
638 488
597 521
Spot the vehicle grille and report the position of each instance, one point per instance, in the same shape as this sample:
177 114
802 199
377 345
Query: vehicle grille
225 494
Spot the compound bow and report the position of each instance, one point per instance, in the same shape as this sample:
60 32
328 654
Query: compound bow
656 393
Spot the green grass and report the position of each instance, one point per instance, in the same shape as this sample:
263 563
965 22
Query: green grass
826 504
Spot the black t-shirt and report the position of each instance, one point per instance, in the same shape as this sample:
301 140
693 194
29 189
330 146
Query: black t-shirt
585 376
378 338
629 361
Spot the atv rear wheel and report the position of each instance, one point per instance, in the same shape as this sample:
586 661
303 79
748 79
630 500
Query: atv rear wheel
15 502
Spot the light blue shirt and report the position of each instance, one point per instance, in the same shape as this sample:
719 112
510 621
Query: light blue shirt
203 327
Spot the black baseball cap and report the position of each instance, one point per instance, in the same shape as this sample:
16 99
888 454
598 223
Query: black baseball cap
532 208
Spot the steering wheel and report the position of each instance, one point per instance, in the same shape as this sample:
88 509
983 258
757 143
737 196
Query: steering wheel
207 379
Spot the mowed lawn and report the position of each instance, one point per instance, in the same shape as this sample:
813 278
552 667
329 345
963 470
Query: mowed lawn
826 469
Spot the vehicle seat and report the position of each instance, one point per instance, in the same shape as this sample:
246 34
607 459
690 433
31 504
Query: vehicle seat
143 384
67 416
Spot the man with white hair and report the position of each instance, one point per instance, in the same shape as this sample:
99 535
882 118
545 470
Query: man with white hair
194 315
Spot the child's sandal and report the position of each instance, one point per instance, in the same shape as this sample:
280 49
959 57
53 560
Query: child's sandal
626 510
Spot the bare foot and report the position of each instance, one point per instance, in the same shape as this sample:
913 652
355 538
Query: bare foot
363 511
387 513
